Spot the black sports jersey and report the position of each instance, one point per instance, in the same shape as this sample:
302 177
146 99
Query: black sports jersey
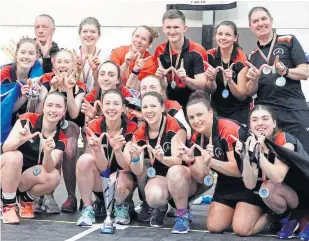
98 126
30 149
291 54
226 187
193 55
171 128
229 107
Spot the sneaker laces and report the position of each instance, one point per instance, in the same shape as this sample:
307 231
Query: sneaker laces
86 213
158 214
183 219
287 225
121 211
9 208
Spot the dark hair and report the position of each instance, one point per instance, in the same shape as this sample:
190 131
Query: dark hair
90 21
160 81
58 94
199 96
27 40
156 95
113 91
173 14
113 63
233 26
272 115
152 30
259 8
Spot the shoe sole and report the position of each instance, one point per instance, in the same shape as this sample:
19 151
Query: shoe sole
6 222
84 224
122 223
180 232
292 236
68 211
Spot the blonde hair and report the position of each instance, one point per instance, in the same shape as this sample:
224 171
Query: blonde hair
154 33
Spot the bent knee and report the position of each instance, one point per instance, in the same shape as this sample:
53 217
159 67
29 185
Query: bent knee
154 195
53 178
85 163
242 230
216 226
15 160
176 173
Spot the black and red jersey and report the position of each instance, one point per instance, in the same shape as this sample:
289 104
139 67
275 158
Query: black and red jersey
172 107
222 141
228 107
8 74
30 149
193 55
98 126
291 54
172 126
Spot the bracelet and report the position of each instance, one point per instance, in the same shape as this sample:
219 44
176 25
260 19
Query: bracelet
135 159
135 72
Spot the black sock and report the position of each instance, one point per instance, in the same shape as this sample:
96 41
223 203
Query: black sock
8 201
99 195
25 197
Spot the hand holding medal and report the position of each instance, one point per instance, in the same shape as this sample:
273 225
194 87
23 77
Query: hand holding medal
281 70
253 73
25 89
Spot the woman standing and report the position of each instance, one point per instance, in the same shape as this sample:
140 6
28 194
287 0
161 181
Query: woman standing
226 74
279 89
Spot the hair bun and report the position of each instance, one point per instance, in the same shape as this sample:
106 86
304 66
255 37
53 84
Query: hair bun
199 94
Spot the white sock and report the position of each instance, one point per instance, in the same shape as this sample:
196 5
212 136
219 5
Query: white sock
9 195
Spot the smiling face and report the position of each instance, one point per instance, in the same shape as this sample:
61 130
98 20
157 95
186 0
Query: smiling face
225 36
54 108
150 84
261 24
174 29
108 76
200 117
152 109
261 122
64 62
43 28
89 35
140 41
113 106
26 55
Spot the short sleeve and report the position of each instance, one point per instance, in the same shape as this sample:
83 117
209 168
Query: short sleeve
297 53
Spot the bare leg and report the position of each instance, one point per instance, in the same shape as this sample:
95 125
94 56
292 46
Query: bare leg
219 218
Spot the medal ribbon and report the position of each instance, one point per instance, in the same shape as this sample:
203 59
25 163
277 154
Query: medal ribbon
224 79
176 63
151 155
85 77
270 50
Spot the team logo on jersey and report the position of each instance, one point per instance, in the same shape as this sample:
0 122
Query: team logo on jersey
166 146
218 152
278 51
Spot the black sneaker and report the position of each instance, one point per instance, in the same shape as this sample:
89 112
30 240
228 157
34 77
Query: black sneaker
157 218
145 213
99 209
70 205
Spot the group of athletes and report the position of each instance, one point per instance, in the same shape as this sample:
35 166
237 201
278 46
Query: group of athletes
170 145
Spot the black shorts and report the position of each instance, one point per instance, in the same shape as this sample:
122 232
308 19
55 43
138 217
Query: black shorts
246 196
295 123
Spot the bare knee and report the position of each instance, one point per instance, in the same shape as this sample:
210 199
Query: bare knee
214 226
53 178
176 174
14 160
85 163
242 229
154 196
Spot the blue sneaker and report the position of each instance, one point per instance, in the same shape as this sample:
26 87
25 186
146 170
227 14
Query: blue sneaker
304 235
182 223
288 228
122 214
86 217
